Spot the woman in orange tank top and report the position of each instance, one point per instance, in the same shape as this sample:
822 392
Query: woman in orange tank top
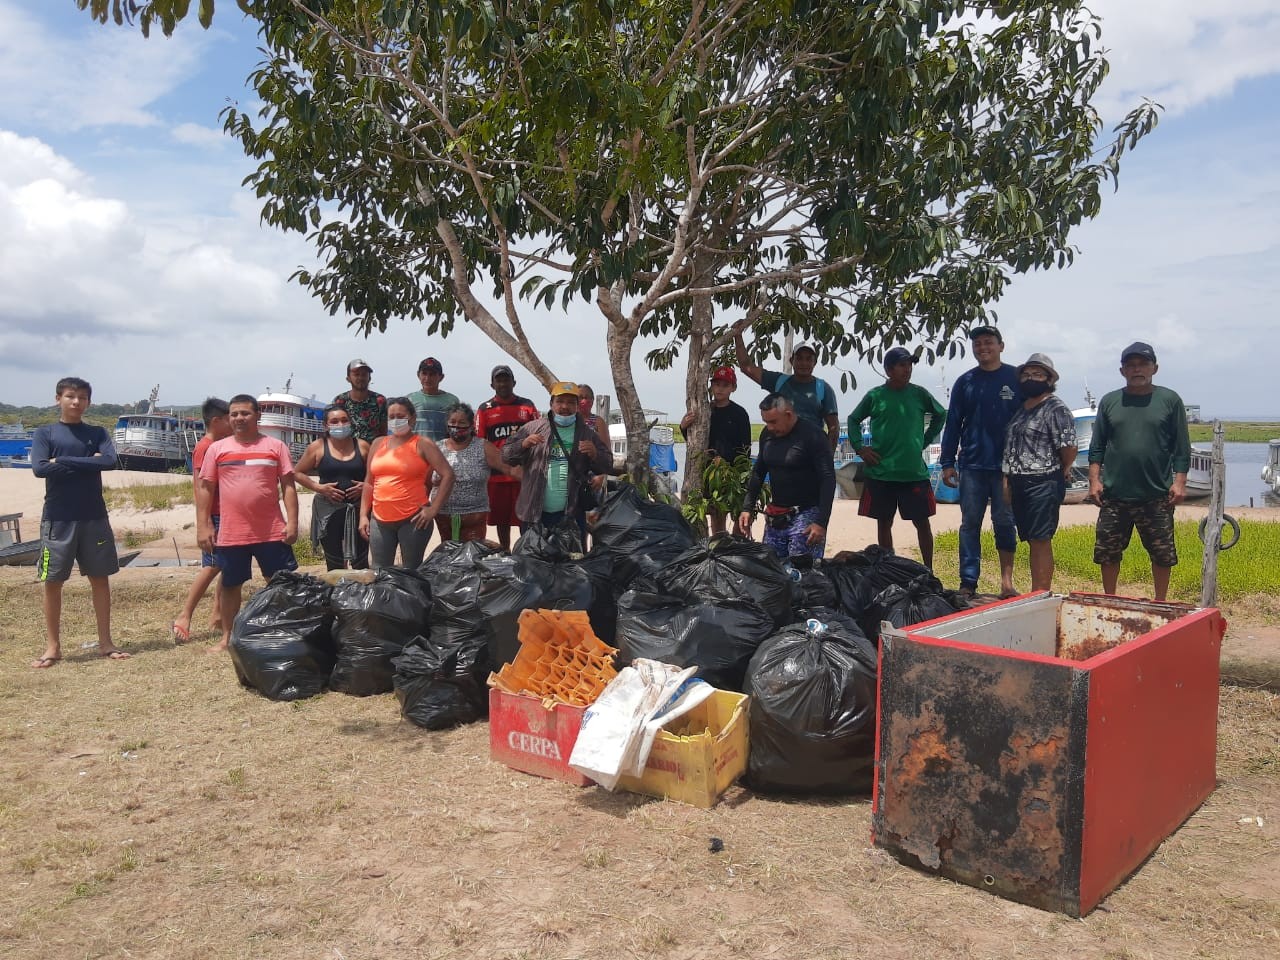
396 509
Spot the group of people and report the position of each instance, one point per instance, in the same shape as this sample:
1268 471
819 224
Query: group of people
1008 443
387 470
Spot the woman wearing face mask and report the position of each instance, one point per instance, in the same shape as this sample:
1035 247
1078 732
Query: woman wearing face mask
396 509
1039 451
334 467
465 515
556 453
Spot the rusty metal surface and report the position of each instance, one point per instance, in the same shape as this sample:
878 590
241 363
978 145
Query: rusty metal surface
1093 625
981 770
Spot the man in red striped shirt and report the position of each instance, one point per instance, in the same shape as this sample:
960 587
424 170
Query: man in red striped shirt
247 473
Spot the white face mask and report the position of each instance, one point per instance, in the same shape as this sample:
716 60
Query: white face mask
398 427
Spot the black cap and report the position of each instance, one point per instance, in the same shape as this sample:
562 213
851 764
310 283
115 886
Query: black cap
430 365
897 355
986 330
1138 349
500 370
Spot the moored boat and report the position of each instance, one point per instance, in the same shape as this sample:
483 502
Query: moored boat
1271 471
156 440
292 419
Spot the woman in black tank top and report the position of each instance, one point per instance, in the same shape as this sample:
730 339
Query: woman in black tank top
333 467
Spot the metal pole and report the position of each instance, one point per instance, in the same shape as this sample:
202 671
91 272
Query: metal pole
1213 523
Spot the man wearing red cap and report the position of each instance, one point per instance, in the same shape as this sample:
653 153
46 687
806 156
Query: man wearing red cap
729 434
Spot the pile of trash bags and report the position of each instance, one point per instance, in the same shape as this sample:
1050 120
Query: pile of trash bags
709 608
799 637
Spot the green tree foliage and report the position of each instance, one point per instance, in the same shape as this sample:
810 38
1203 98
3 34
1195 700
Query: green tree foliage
857 173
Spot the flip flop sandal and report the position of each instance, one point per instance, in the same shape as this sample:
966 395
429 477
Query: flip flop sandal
181 635
44 663
116 654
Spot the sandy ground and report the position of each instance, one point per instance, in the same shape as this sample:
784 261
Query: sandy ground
20 492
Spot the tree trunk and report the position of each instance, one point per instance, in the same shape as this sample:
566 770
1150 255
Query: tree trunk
620 342
696 397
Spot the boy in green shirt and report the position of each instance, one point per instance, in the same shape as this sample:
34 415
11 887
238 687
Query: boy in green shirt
897 480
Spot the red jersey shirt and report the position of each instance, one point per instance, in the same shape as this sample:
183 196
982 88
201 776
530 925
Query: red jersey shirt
498 420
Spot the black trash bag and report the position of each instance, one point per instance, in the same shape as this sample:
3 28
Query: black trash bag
456 622
509 585
442 686
561 542
372 623
716 636
859 577
452 552
642 536
812 723
810 585
603 612
282 643
732 568
906 604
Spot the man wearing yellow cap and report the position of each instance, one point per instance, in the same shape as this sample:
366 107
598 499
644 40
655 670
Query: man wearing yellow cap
556 454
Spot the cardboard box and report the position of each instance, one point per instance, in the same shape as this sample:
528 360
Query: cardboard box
698 768
527 736
1042 748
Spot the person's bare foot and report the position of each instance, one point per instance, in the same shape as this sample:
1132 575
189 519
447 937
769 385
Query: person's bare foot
219 647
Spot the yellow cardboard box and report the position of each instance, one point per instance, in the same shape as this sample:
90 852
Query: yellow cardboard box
701 753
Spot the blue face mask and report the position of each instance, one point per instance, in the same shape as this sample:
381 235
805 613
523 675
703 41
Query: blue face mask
341 432
564 419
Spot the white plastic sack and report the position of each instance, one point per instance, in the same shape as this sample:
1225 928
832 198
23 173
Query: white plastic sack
618 729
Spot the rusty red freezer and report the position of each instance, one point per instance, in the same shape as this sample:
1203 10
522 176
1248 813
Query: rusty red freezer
1043 747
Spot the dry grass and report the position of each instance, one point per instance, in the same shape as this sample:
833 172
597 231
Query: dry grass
150 496
152 808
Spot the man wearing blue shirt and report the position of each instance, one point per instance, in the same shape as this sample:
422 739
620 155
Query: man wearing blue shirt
70 455
982 401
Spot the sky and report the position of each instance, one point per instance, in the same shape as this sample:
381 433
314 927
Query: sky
131 255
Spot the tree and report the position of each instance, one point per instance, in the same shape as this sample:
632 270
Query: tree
859 173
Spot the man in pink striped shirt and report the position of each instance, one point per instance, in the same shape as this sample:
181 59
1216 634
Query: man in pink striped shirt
248 473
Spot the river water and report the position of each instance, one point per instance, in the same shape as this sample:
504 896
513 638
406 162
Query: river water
1244 473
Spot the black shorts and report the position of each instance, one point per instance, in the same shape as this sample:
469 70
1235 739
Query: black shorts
912 499
1036 501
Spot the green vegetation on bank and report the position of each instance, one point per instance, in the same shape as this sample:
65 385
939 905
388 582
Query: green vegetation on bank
1251 567
1235 432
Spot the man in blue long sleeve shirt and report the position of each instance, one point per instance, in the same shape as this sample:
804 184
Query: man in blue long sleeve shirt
70 455
982 401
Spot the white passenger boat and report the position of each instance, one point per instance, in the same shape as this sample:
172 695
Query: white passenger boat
156 440
292 419
1271 472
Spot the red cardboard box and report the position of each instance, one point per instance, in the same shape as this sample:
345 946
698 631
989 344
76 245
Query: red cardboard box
527 736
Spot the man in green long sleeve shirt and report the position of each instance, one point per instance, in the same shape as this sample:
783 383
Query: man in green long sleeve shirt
1140 437
897 480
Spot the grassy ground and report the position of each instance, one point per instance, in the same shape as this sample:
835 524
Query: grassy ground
154 808
1248 573
144 496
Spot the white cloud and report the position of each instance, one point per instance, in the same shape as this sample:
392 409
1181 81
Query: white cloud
1183 53
94 77
199 136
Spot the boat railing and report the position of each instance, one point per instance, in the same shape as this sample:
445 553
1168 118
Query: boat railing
288 421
